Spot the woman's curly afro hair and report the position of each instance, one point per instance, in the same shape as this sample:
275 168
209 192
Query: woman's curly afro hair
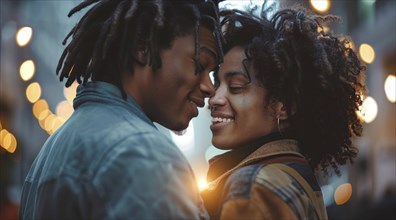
315 74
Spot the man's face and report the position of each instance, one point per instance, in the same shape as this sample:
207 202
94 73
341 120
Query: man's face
174 92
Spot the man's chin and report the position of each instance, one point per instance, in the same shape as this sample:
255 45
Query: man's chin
179 127
179 132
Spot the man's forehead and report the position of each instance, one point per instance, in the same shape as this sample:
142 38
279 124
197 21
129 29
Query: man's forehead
209 51
207 41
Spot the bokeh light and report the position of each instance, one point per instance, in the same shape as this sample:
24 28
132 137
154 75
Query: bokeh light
343 193
202 184
348 42
57 123
369 109
49 122
3 133
320 6
39 107
27 69
70 92
8 141
64 110
42 121
390 88
351 45
369 2
33 92
367 53
44 114
323 28
23 36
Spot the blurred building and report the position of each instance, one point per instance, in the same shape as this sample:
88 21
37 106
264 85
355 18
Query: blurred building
30 46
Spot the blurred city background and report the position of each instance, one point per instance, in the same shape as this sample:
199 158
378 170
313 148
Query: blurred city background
33 103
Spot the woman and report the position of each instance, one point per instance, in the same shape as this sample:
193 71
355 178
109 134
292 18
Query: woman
285 106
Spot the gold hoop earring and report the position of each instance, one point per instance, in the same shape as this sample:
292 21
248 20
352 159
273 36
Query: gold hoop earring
278 119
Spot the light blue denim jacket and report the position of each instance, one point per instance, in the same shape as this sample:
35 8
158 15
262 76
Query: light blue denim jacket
109 161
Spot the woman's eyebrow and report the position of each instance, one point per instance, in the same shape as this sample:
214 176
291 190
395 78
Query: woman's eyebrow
231 74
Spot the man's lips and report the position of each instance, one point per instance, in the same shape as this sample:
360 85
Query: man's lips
199 102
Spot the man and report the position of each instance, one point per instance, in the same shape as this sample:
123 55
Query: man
139 62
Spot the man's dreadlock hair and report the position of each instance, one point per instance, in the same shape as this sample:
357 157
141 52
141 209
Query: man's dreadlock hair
106 38
315 74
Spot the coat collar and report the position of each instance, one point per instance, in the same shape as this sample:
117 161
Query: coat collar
273 148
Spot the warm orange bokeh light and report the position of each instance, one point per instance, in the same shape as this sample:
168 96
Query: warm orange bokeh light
202 184
33 92
320 6
8 141
23 36
39 107
368 110
390 88
64 110
27 69
367 53
343 193
70 93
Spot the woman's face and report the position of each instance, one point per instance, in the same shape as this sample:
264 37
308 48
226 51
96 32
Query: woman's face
240 114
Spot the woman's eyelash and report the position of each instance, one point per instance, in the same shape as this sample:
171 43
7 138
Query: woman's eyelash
236 88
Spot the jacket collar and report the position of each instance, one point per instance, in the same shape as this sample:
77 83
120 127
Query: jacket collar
107 93
226 161
273 148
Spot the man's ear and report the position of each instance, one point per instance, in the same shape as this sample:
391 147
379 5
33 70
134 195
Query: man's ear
141 56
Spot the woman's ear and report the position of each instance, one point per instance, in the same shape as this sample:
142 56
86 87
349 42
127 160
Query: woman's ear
280 110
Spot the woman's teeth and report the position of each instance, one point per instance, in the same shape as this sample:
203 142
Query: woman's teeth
217 120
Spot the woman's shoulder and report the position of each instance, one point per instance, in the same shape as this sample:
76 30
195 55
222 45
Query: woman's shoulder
264 190
240 182
269 174
292 183
266 181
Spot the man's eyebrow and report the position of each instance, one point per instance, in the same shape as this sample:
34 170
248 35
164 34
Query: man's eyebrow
207 50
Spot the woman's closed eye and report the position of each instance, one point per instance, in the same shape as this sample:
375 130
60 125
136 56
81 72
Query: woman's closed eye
236 88
236 81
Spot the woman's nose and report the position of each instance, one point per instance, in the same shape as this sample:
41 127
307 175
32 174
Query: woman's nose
218 99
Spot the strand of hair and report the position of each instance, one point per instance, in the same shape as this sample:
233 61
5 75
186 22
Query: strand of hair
62 58
81 6
115 23
132 9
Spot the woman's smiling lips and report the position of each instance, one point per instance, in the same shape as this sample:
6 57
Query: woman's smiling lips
220 120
